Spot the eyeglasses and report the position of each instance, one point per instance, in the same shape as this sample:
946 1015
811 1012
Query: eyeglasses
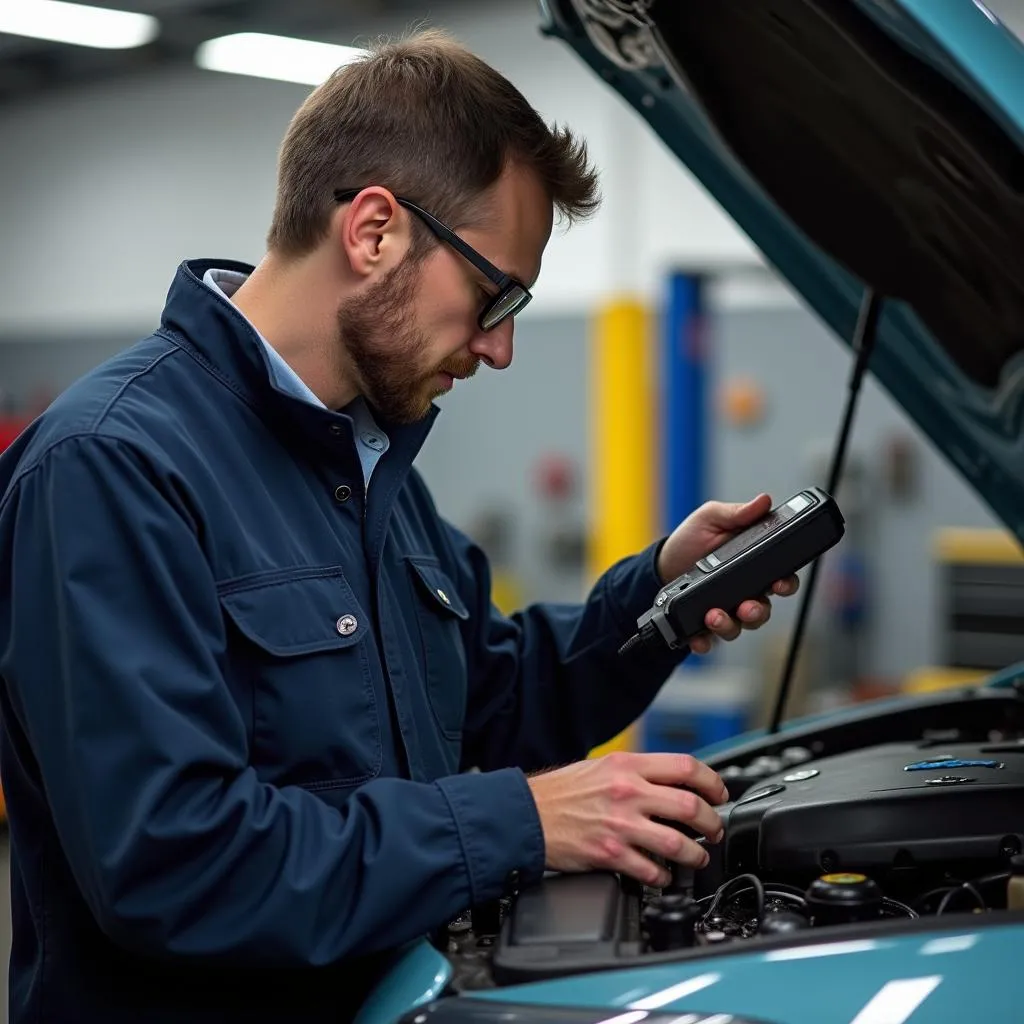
512 295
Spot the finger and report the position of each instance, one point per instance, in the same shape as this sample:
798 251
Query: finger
754 613
786 587
669 843
681 770
733 515
628 860
745 513
723 626
683 806
702 643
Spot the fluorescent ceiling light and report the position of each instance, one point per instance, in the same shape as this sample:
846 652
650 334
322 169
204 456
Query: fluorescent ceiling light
279 57
77 24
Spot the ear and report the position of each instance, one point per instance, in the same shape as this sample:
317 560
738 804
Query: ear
374 232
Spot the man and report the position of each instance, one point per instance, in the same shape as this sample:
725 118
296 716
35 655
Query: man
246 666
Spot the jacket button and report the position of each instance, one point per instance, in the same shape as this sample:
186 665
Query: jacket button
335 429
342 492
444 597
347 625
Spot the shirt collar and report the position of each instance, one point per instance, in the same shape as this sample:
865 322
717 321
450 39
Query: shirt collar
216 333
225 283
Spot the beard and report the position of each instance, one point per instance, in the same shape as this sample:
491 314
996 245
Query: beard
387 350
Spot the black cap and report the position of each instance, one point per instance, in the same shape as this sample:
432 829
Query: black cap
843 897
671 922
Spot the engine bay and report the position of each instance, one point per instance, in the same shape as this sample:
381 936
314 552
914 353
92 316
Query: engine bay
905 819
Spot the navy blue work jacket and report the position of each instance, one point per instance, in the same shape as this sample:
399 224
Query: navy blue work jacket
240 693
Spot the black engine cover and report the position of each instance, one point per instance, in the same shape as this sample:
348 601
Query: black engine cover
887 806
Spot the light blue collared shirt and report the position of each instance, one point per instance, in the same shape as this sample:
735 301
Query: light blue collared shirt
371 441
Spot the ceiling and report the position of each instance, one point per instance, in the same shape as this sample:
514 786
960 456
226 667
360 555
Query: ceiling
30 66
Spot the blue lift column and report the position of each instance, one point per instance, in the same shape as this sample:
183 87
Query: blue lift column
683 718
683 399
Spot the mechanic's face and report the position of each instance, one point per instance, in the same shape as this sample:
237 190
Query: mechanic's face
414 332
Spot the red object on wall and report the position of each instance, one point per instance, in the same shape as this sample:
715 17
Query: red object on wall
10 428
555 477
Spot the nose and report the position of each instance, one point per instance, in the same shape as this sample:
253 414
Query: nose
494 347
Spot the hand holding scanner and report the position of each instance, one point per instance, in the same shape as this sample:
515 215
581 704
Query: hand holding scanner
784 541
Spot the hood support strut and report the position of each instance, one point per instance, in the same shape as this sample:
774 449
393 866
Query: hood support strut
863 344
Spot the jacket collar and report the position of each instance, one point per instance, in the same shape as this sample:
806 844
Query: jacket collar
223 340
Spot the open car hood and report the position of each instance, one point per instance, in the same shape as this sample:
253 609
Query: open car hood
858 144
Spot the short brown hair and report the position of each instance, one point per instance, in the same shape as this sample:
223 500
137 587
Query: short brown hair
432 122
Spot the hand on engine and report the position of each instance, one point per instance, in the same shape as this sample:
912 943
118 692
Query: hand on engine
599 814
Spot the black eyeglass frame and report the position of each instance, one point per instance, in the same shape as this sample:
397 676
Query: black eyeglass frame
512 296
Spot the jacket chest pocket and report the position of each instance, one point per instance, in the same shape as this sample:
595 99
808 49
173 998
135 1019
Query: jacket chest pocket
440 613
300 646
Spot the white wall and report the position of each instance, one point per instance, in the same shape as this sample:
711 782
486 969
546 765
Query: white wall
105 189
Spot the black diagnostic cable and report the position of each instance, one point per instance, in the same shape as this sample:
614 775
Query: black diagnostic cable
743 884
751 881
895 907
967 887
